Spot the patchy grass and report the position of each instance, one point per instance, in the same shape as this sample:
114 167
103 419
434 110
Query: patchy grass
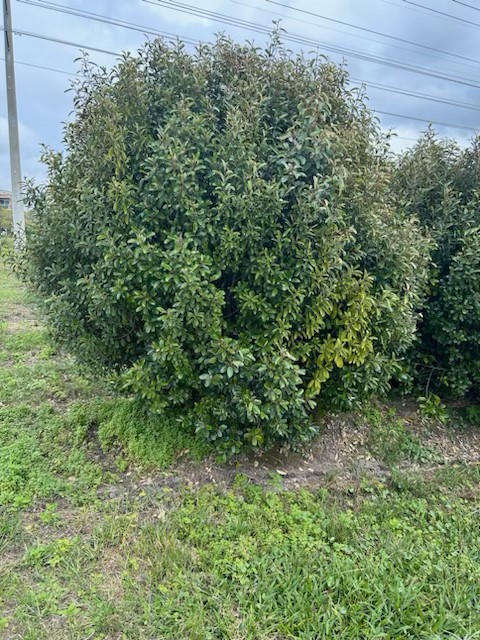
88 552
249 564
44 414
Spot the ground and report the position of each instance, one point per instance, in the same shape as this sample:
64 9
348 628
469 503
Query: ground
114 526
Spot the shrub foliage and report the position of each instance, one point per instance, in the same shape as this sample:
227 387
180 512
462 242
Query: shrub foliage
440 183
219 230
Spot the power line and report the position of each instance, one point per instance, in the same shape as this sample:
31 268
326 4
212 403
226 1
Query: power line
237 22
415 10
347 33
97 17
222 18
443 124
470 6
427 11
415 94
442 13
38 66
87 47
377 33
30 34
405 138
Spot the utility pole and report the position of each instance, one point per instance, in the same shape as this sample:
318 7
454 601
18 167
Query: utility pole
16 173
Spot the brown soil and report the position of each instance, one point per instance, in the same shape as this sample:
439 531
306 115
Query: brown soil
338 458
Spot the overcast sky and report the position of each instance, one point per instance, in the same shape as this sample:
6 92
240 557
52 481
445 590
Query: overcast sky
449 48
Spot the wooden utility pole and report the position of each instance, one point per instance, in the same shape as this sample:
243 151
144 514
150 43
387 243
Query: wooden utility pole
17 200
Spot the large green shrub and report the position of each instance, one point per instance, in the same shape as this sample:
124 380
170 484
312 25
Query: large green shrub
440 182
219 231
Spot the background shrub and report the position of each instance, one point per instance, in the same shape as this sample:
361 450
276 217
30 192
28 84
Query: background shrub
6 222
220 231
440 183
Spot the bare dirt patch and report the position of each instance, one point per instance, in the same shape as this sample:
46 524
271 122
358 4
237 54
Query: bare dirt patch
336 456
339 457
453 444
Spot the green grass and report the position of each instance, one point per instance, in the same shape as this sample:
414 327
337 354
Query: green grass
10 293
250 564
89 552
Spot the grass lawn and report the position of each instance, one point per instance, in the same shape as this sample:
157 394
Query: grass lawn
98 542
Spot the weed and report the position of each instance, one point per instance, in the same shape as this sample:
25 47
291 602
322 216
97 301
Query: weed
50 554
391 441
50 515
431 408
